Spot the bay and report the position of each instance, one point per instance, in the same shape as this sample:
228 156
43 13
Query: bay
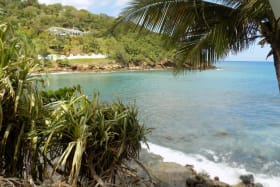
227 115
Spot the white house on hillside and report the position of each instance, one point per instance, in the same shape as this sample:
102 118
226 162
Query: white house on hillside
60 31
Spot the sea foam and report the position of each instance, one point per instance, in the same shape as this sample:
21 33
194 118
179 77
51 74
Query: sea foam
225 172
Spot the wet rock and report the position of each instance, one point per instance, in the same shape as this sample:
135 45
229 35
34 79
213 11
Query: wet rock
151 65
243 185
258 185
191 182
203 181
74 67
169 64
190 167
91 67
101 68
216 178
247 179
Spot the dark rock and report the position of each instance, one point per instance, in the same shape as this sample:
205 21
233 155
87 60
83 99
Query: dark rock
204 181
151 65
74 67
258 185
190 167
169 64
191 182
195 182
216 178
247 179
91 67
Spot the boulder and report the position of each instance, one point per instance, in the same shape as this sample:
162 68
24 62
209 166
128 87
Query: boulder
258 185
247 179
170 174
169 64
201 180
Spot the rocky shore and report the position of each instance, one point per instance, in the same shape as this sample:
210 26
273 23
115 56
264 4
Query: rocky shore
168 174
112 67
153 172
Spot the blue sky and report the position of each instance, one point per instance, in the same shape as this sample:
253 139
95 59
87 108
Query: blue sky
110 7
114 7
254 53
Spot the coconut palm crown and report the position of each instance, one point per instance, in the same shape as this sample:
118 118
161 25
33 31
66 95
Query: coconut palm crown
206 31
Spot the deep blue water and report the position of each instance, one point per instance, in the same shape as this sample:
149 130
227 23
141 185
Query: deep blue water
229 115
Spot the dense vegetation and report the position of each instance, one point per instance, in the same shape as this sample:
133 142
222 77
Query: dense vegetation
33 20
59 133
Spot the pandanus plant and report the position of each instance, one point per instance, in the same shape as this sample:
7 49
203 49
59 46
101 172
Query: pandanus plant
21 106
92 140
63 132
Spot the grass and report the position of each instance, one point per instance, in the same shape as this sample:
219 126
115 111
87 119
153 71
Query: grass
91 61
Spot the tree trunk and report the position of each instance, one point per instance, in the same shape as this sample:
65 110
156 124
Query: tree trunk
274 40
276 56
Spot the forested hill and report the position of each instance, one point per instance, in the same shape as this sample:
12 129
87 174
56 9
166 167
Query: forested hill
44 25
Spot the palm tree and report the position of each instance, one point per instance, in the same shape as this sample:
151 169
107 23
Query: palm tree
205 31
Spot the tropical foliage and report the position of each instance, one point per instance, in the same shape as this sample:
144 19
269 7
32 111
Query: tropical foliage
205 31
91 140
21 106
34 21
59 133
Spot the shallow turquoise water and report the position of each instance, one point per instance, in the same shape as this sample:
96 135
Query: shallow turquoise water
229 115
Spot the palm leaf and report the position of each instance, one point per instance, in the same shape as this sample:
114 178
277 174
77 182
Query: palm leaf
203 31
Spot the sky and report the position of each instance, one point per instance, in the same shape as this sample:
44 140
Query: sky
114 7
109 7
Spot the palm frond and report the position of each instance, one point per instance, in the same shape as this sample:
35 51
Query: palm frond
204 31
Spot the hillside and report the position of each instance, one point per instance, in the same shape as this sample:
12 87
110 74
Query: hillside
64 30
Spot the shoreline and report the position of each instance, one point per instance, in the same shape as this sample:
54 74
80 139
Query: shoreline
215 172
66 71
113 67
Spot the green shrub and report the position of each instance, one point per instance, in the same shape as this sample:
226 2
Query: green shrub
63 63
61 94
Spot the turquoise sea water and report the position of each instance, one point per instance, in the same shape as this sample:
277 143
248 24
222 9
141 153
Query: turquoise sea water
230 115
